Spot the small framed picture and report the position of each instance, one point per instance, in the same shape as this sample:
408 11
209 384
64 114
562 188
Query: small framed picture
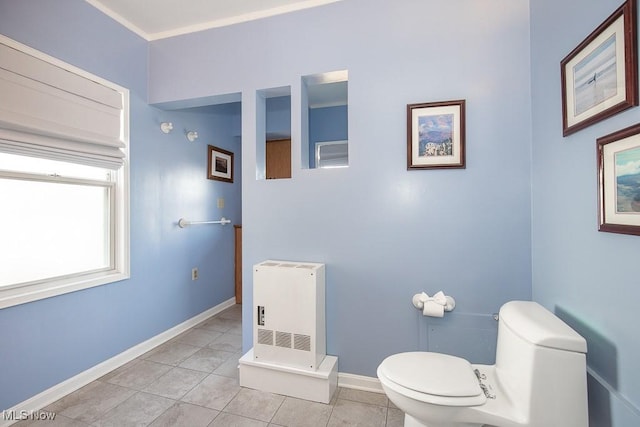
219 164
436 135
619 181
600 76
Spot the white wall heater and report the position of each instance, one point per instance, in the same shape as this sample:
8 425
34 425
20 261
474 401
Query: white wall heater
289 313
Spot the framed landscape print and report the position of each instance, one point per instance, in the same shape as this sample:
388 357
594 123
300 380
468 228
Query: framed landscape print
436 135
600 76
219 164
619 181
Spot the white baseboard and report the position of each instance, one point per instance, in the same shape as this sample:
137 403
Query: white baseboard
60 390
359 382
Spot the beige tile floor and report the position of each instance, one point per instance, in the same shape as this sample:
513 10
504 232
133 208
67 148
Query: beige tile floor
192 380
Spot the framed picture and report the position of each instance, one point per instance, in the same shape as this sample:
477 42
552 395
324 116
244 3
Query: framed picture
600 76
220 164
435 135
619 181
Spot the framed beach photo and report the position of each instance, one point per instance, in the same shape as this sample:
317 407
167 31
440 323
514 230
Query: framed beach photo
619 181
436 135
600 76
219 164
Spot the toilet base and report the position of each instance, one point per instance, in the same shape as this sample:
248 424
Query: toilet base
409 421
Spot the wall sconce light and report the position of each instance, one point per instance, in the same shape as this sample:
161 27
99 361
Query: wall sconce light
166 127
192 135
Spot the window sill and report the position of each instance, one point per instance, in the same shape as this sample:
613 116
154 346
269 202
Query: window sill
33 292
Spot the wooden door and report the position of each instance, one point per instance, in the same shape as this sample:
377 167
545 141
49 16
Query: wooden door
278 159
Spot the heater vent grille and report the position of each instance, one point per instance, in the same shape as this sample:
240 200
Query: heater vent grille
283 339
265 336
302 342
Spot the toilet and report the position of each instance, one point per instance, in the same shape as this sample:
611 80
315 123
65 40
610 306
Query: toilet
539 378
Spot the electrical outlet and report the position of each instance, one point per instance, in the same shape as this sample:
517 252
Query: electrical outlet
194 273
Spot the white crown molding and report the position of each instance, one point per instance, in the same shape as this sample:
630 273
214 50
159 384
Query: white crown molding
118 18
208 24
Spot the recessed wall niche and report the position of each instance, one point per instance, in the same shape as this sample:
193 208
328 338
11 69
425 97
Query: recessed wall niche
325 120
273 133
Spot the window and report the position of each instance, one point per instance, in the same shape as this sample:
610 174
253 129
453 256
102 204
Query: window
53 225
64 183
325 117
59 224
332 154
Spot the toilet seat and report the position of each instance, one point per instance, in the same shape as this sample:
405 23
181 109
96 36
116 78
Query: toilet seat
432 377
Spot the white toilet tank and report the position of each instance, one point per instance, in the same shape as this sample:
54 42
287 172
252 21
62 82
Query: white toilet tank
541 363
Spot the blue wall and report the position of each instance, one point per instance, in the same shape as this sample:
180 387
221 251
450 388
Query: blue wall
278 117
588 278
49 341
385 233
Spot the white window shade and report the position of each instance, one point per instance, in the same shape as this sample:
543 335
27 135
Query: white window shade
55 117
51 110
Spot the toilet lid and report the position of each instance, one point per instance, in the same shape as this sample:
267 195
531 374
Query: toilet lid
432 373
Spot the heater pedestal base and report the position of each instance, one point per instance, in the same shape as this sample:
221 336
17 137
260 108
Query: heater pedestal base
318 385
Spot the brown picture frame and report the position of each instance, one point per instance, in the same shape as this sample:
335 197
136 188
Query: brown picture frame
619 181
436 135
219 164
600 76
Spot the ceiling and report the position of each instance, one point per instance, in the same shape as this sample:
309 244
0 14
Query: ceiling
157 19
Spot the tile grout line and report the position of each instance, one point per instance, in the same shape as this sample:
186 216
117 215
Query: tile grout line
276 411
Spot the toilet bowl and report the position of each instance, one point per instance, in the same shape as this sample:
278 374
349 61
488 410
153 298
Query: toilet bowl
539 379
448 383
